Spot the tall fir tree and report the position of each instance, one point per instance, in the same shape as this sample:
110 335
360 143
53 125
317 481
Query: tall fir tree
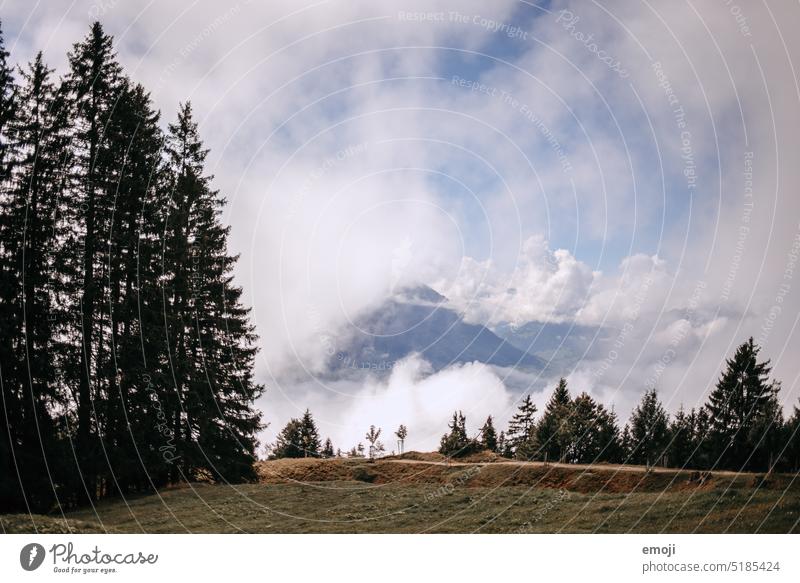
555 431
741 399
309 435
489 435
38 147
521 429
681 445
649 425
91 88
209 332
588 439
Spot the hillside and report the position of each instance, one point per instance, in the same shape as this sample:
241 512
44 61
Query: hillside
424 493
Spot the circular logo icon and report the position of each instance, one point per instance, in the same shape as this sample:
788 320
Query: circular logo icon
31 556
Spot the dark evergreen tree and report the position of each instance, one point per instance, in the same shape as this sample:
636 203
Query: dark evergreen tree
682 442
211 339
649 425
521 428
126 355
456 442
502 445
792 455
554 430
742 398
701 446
289 443
309 435
327 449
489 435
587 442
626 444
608 435
91 88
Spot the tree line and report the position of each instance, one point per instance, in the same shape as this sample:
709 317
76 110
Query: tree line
741 427
126 356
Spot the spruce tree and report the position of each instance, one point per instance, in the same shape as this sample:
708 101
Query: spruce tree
608 435
289 443
489 435
327 449
502 445
309 435
793 441
209 330
554 430
649 430
456 442
743 395
91 88
521 427
31 204
587 442
681 447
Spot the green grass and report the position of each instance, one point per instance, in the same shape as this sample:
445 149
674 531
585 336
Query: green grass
356 507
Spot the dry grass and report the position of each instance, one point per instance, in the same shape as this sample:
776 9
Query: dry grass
411 495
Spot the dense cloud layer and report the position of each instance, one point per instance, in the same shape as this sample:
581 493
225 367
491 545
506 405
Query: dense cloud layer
627 166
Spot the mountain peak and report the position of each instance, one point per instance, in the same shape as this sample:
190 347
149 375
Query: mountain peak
420 294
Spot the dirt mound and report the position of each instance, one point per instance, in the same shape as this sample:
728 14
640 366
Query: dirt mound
492 471
430 456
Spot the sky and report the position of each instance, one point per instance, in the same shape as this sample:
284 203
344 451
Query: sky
630 165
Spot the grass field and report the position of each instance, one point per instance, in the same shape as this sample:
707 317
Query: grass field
414 496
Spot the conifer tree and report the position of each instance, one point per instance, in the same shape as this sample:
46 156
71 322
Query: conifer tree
489 435
309 435
327 449
39 151
555 431
649 430
587 442
209 332
521 428
91 88
456 442
743 396
289 443
502 445
681 432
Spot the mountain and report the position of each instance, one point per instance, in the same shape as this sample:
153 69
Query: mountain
560 344
419 320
